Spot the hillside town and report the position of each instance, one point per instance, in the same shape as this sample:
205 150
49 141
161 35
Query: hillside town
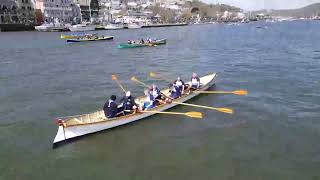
62 14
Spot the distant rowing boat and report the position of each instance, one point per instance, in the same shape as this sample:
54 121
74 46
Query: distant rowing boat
81 125
74 36
90 39
136 45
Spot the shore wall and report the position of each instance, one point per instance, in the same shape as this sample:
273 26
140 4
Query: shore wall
15 27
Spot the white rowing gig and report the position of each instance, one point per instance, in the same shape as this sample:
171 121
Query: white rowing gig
81 125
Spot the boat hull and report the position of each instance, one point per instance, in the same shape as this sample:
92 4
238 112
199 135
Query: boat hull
158 42
113 26
88 40
82 28
49 29
73 131
134 26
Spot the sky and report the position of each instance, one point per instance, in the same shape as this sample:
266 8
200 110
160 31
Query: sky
265 4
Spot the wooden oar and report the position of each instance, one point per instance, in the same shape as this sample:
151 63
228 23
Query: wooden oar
189 114
224 110
158 76
237 92
115 78
135 79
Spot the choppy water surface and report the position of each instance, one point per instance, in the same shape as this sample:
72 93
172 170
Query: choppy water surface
274 133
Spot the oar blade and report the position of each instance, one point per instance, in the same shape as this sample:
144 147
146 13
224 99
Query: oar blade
152 74
240 92
114 77
133 78
225 110
197 115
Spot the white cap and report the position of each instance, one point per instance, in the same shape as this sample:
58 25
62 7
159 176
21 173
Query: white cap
128 93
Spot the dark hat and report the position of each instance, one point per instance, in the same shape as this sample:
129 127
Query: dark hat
113 97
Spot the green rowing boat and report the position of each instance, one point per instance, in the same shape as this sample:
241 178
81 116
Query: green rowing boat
153 44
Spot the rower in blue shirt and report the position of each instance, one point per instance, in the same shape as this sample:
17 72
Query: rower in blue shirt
156 92
149 102
110 108
128 103
178 82
175 91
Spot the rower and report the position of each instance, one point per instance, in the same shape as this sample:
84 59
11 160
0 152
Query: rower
195 82
175 91
156 92
129 42
128 103
149 102
110 108
141 41
179 83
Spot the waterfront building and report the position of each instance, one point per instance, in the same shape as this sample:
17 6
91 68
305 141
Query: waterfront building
26 11
104 11
89 9
8 12
53 11
17 12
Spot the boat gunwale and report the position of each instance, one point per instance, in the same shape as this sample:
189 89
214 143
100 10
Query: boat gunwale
138 113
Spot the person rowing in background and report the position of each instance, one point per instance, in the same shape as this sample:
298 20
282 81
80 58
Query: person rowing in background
129 42
195 82
110 108
128 103
180 84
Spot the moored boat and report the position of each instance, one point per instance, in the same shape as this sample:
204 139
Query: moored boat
52 27
81 125
83 27
134 26
113 26
136 45
90 39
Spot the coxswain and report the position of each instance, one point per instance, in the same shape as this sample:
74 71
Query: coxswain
110 108
149 101
128 103
175 91
195 81
178 82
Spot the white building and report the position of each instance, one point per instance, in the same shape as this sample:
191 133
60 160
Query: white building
63 11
